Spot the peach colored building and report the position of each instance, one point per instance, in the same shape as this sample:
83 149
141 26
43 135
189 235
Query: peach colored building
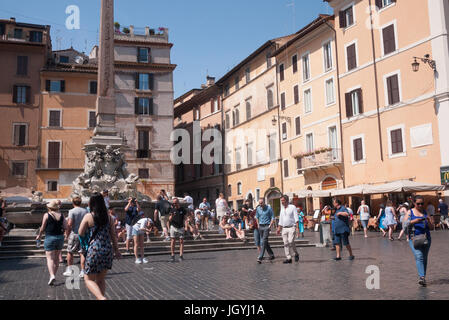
69 92
24 50
392 117
252 153
200 110
310 113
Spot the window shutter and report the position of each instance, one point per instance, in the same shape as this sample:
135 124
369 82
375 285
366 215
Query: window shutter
286 168
149 55
394 80
150 107
22 135
28 94
14 94
248 110
151 81
62 85
47 85
298 126
283 101
296 94
388 37
25 65
281 72
295 64
16 135
53 155
136 105
358 153
379 4
360 97
348 105
137 81
351 55
342 19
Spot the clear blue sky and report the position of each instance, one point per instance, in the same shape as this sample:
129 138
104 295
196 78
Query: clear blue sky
209 36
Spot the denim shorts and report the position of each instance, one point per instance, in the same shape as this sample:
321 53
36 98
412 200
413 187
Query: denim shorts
341 238
53 243
137 232
364 223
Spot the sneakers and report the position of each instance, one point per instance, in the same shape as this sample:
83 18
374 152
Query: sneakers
337 259
167 239
52 281
181 258
351 257
172 259
297 258
148 240
138 261
271 258
259 261
81 275
68 272
422 282
145 260
287 261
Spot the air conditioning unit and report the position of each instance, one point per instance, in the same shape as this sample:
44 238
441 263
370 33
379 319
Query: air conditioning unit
300 171
284 136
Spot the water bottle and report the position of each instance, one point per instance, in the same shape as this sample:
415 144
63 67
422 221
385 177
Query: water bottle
38 243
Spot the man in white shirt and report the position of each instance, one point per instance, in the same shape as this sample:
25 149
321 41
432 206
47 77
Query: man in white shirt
288 221
364 216
189 200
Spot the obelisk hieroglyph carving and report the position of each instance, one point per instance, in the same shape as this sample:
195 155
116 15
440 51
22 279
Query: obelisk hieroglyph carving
106 95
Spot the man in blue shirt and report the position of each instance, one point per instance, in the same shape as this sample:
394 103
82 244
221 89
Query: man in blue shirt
265 219
341 229
443 210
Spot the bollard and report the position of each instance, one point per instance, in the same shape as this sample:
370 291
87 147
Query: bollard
325 233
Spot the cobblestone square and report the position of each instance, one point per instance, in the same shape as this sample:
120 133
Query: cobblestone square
235 275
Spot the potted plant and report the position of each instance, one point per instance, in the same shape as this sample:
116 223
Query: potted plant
117 26
126 30
152 32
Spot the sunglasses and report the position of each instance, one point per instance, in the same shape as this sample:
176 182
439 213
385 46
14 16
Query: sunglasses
419 203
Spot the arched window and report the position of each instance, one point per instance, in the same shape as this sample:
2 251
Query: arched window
239 188
328 183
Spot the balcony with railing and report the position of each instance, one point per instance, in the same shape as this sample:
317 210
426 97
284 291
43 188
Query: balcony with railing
321 158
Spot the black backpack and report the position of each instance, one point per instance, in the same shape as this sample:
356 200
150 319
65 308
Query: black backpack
165 207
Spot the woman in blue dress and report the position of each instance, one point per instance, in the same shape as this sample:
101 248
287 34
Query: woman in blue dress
381 218
100 228
390 219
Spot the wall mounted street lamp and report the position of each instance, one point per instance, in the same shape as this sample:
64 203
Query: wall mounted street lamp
275 119
425 60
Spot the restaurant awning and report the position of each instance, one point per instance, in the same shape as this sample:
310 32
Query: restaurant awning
402 186
349 191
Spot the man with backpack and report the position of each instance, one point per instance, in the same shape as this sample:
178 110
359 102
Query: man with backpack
132 210
162 212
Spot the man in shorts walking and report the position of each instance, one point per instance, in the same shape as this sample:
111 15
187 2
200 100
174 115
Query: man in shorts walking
76 215
177 217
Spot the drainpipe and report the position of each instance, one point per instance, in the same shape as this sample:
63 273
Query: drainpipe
223 141
279 125
339 101
376 82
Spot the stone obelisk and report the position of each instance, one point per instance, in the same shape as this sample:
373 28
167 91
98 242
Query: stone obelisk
105 132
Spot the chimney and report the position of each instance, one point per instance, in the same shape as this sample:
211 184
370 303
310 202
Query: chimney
147 31
210 81
131 30
12 19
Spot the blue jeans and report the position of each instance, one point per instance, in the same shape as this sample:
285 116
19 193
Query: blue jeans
264 231
421 258
257 237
